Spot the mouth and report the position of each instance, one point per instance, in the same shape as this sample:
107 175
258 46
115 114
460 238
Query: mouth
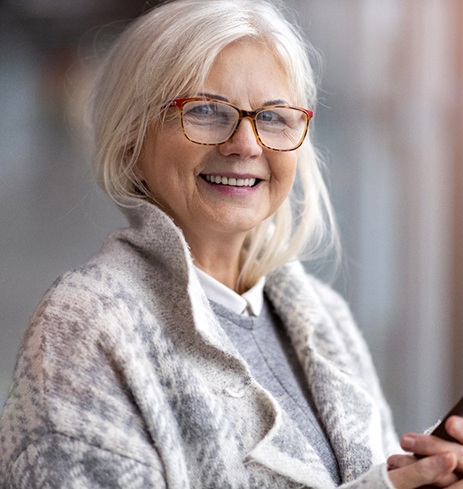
231 181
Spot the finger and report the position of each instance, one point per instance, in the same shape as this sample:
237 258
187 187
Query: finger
436 469
454 427
398 461
447 481
424 445
421 444
457 485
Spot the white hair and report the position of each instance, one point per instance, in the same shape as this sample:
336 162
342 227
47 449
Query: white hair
167 53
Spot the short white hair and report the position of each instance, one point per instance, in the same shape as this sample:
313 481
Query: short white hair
167 53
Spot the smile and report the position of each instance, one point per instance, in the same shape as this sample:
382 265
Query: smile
234 182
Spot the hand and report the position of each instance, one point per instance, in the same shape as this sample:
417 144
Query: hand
442 465
409 472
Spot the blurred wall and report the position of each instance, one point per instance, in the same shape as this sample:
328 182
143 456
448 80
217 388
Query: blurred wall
388 118
389 127
52 217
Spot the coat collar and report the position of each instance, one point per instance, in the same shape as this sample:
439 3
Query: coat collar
333 377
335 389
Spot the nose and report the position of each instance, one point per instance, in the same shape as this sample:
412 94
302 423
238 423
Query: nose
244 142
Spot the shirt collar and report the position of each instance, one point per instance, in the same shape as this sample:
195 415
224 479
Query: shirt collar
250 303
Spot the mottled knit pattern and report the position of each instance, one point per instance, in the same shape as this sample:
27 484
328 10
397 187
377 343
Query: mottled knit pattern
126 380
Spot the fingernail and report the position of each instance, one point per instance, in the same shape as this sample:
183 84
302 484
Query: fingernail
408 442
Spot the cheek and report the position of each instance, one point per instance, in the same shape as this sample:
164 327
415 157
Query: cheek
284 171
160 161
283 175
293 169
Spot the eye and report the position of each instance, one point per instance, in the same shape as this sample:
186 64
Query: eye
201 112
271 116
272 120
200 108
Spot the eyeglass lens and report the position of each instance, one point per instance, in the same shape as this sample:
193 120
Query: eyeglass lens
206 122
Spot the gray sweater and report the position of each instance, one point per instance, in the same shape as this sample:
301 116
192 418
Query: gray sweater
125 379
264 345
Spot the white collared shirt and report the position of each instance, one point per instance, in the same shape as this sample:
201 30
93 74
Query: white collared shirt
250 303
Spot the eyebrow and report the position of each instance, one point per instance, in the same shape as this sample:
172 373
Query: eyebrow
224 99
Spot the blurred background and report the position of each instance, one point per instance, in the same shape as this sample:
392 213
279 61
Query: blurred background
390 128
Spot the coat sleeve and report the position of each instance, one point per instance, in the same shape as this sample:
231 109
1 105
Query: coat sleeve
59 461
71 420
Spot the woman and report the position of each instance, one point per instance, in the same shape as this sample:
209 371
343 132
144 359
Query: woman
194 351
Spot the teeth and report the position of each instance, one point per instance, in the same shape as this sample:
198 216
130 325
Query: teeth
235 182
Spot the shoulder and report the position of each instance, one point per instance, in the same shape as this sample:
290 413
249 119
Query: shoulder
113 281
82 354
86 311
295 285
313 308
84 295
87 315
334 311
331 301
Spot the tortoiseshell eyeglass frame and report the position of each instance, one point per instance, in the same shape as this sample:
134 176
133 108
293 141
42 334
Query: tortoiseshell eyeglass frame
242 114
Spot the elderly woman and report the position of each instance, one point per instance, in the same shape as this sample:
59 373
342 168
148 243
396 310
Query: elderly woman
194 351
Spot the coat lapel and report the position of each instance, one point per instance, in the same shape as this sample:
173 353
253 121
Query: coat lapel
346 408
285 450
340 399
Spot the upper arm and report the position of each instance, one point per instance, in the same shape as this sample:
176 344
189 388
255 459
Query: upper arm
76 375
59 461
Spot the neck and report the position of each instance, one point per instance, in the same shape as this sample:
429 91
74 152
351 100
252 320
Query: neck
219 258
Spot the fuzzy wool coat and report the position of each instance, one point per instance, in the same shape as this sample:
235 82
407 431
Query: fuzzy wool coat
125 379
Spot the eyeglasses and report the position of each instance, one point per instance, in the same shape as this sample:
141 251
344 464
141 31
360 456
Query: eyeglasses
213 122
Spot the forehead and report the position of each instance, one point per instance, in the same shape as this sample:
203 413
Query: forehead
249 72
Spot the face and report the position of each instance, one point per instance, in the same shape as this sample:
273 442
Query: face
181 175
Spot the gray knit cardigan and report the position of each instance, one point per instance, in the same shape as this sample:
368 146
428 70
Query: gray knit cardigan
126 380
